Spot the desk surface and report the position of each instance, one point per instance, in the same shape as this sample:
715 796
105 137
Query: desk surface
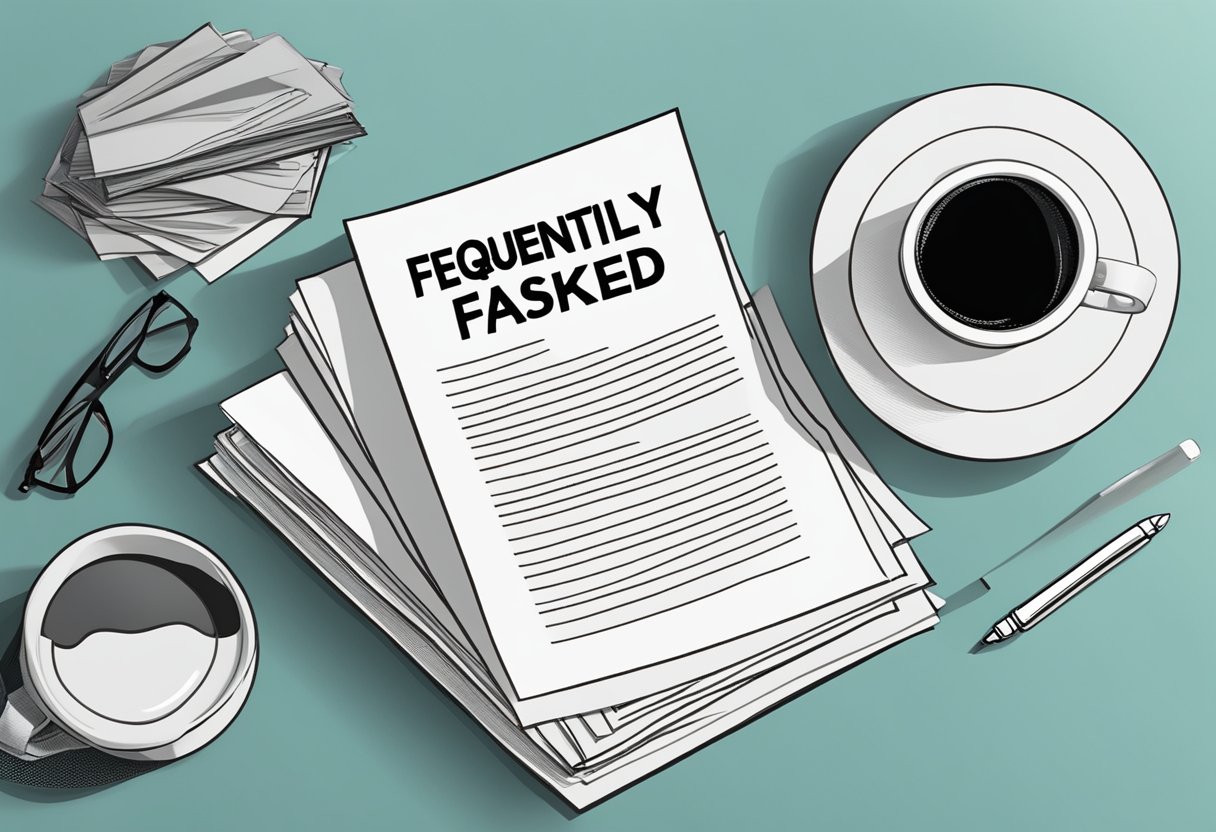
1096 720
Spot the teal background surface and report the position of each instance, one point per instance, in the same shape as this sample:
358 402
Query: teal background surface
1100 719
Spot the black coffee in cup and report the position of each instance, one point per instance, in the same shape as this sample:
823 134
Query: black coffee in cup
998 252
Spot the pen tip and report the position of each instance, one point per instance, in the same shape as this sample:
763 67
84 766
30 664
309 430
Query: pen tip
991 638
1160 520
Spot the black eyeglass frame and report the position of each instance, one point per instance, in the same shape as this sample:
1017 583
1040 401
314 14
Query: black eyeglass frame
100 375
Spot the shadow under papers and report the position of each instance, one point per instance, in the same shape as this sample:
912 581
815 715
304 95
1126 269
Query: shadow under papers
784 229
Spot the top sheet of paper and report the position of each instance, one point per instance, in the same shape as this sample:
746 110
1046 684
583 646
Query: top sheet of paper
624 493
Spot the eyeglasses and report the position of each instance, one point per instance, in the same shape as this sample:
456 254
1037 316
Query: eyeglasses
78 437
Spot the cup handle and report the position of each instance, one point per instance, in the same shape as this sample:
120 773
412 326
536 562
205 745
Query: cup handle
1120 287
25 731
19 721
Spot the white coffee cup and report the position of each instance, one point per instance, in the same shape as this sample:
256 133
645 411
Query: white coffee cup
1097 282
137 641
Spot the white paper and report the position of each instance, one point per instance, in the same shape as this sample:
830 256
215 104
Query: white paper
585 789
215 203
338 332
225 259
519 527
257 90
610 748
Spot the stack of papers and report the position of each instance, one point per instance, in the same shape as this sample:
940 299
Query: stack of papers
199 152
541 434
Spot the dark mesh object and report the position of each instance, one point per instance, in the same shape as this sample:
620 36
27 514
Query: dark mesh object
85 768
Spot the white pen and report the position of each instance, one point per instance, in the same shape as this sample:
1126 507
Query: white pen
1053 596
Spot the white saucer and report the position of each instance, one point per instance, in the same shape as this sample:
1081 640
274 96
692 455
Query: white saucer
952 397
140 642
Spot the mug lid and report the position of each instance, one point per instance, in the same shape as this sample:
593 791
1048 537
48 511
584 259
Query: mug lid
139 641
